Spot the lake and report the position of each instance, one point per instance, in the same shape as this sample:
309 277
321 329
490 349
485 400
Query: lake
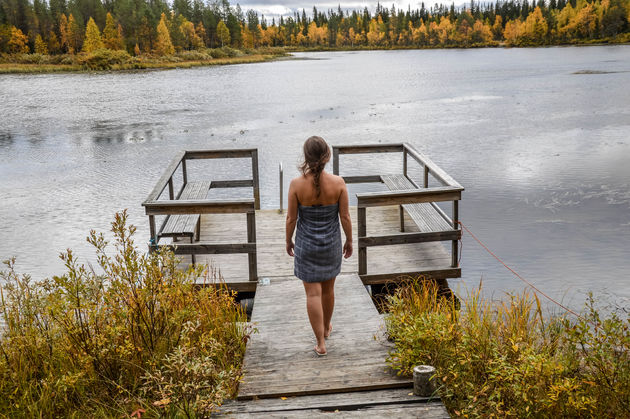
540 139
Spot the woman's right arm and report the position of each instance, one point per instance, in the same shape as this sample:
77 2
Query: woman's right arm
346 222
291 217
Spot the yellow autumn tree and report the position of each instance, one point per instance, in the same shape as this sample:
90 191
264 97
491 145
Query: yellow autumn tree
375 35
201 33
18 43
191 39
481 32
40 45
63 31
445 30
93 39
223 33
53 43
534 29
112 38
497 28
163 44
512 32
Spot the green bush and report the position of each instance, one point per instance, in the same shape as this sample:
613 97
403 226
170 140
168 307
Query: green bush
231 52
137 335
217 53
194 55
102 59
507 360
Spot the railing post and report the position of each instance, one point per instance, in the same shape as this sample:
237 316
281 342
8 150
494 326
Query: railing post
405 162
184 173
336 161
255 178
281 174
426 176
152 232
251 238
171 193
454 249
362 232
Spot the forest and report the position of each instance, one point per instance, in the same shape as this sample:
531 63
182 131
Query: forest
158 28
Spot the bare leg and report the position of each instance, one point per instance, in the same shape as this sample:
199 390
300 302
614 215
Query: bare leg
328 304
315 312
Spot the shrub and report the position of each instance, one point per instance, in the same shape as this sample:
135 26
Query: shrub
217 53
194 56
102 59
140 334
506 360
231 52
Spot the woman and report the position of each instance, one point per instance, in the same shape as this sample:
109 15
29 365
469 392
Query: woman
317 200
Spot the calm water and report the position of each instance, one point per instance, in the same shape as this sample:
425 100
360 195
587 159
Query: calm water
544 153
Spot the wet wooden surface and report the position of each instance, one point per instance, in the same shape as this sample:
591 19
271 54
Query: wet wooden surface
274 262
280 360
374 403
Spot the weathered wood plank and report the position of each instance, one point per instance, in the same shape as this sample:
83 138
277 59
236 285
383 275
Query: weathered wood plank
219 154
199 206
404 238
362 179
238 183
435 170
328 402
408 196
168 172
280 360
201 248
428 410
369 148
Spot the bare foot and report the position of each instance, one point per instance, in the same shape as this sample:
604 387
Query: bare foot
327 334
320 351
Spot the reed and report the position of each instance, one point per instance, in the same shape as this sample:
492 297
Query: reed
505 359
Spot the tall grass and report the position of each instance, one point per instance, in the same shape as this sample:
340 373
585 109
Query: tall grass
135 333
505 359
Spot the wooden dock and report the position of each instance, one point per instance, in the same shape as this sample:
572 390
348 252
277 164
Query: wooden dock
397 233
279 360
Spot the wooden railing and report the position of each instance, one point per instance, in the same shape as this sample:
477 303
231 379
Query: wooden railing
154 207
450 190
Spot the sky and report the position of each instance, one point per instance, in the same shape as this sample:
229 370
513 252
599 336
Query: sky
276 8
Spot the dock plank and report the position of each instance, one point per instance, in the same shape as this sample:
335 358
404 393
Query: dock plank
280 361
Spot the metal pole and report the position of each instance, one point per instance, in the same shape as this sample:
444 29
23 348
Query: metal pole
281 173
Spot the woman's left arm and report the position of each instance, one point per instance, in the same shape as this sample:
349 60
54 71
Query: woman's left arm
291 217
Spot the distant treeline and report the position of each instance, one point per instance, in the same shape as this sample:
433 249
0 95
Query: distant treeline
155 27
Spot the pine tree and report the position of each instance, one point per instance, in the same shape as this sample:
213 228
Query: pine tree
40 45
111 37
164 46
223 33
93 39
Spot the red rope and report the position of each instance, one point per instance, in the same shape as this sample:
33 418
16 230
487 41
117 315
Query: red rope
521 278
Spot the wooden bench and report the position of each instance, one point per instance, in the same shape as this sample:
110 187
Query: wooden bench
186 225
426 217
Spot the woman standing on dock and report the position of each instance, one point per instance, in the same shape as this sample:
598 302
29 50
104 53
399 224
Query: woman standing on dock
317 201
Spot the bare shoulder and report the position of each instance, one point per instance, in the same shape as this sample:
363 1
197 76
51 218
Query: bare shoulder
296 182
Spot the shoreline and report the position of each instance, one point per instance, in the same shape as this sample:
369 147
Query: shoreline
263 56
20 68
